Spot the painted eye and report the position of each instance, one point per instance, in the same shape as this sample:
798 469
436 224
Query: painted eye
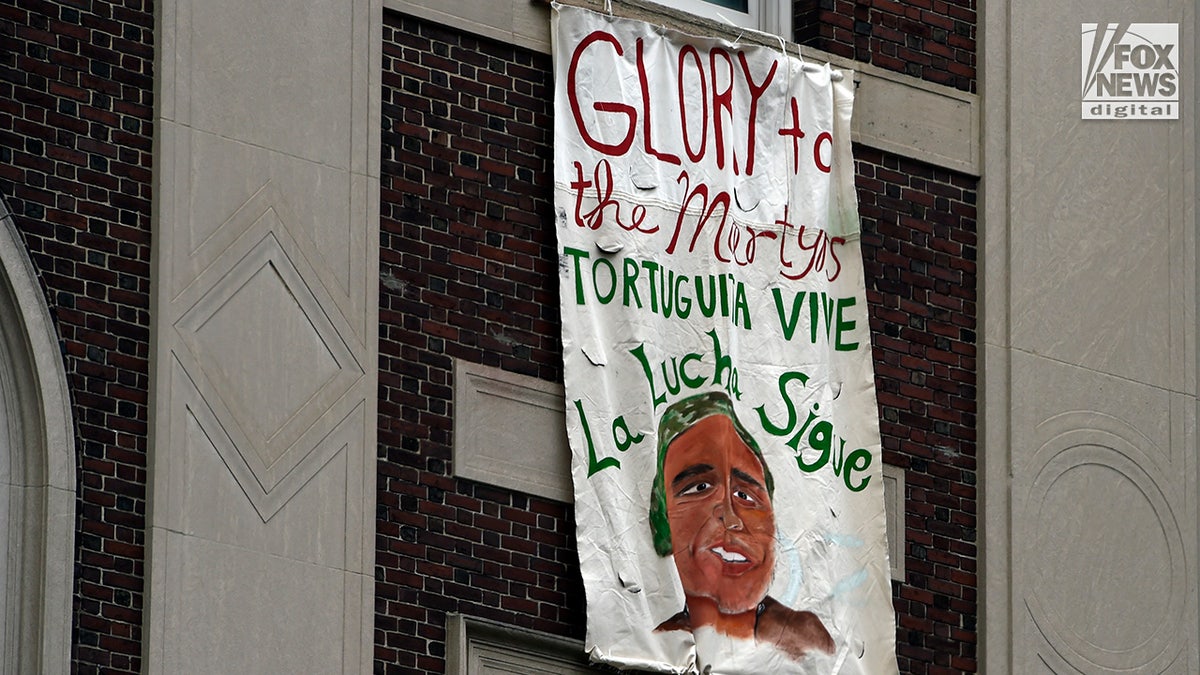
745 496
696 488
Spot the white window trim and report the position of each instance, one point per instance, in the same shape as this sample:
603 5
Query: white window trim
767 16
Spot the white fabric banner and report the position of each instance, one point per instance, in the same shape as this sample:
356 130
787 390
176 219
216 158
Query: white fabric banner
720 395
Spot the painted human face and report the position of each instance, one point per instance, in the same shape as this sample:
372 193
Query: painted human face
722 521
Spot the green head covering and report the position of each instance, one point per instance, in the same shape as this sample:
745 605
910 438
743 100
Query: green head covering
675 420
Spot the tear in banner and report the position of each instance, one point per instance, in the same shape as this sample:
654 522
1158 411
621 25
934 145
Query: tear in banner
720 395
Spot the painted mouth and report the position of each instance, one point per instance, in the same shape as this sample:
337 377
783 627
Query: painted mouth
729 556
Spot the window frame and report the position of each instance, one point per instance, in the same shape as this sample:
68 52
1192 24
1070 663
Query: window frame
766 16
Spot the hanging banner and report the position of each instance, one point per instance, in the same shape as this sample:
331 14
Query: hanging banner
720 395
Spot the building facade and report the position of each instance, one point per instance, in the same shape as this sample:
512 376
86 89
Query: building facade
269 334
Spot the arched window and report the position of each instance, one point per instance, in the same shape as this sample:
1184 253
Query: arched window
37 473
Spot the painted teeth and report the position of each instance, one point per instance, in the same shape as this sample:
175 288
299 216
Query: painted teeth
729 556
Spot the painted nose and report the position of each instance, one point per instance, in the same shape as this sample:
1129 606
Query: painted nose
725 513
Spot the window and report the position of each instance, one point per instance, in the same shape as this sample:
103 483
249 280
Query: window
476 646
768 16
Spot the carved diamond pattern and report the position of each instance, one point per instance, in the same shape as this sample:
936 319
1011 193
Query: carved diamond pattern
269 354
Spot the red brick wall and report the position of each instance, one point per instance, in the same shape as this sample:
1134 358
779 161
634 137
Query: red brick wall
467 254
468 272
930 39
75 130
919 249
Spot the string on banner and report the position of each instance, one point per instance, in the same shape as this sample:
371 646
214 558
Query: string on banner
834 75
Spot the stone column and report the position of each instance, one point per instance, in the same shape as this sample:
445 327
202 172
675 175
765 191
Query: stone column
264 373
1089 328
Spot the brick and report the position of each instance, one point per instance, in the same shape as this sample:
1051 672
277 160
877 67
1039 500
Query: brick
488 169
905 36
56 114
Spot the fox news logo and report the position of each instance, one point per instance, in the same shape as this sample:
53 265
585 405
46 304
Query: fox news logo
1130 71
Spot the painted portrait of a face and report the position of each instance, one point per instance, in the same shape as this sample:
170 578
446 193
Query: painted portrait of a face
711 510
720 514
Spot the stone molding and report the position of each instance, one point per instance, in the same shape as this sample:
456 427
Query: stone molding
37 500
489 448
475 645
893 112
893 505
